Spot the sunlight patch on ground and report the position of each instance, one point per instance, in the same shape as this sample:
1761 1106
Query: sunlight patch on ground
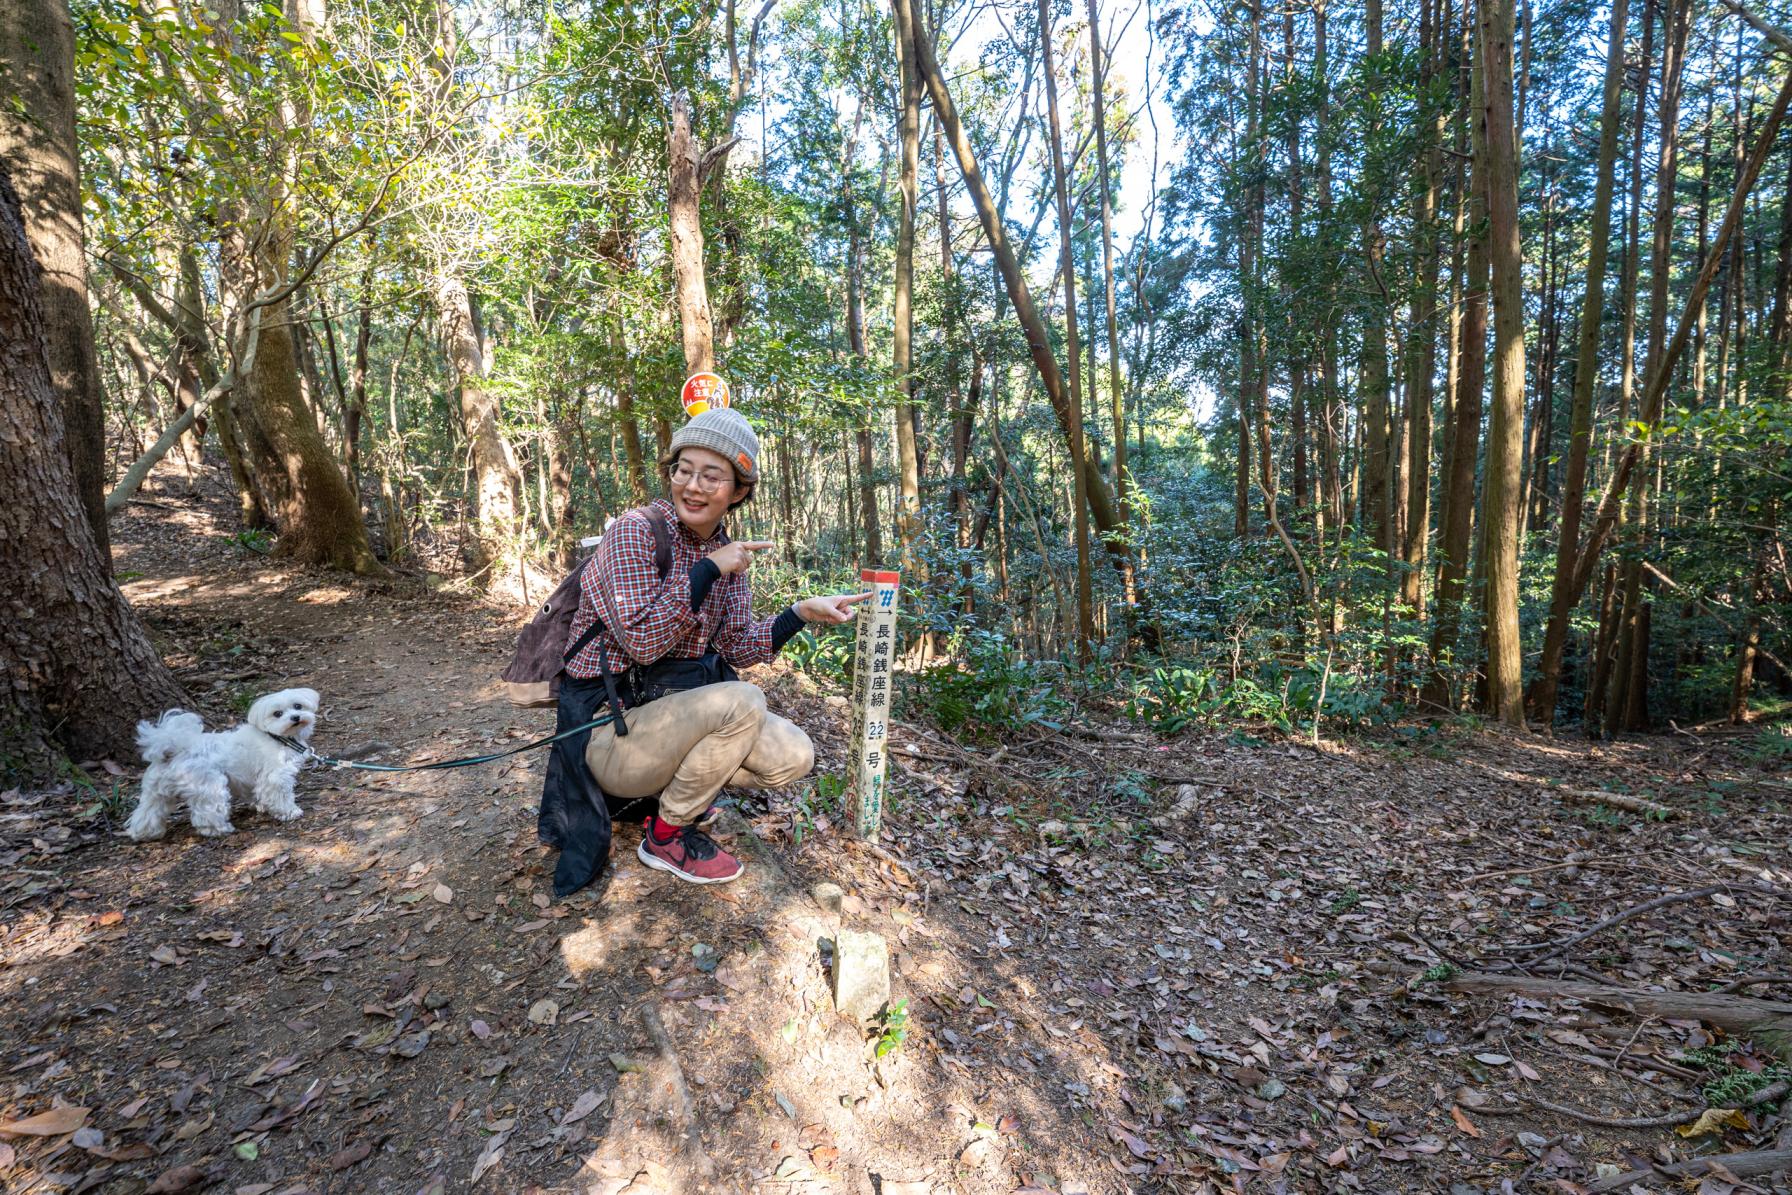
141 591
328 595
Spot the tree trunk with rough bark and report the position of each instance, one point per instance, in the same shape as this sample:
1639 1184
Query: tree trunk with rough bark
1628 707
497 479
81 669
317 517
299 482
1505 661
683 197
39 147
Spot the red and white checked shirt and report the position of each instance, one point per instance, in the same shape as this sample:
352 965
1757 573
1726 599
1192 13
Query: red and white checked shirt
646 618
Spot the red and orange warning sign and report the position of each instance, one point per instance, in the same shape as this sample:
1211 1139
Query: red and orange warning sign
702 391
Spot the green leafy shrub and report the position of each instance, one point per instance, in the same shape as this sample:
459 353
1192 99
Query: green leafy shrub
990 685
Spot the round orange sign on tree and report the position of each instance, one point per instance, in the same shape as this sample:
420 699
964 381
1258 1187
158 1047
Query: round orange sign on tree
703 391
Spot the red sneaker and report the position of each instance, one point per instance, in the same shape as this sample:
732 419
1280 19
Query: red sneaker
693 856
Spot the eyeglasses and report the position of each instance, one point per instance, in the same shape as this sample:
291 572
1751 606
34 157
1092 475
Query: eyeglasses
707 480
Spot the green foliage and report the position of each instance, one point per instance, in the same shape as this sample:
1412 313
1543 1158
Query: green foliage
1772 745
254 539
991 686
894 1028
1733 1085
822 798
1730 1083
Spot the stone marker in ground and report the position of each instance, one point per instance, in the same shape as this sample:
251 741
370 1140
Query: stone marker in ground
861 975
831 897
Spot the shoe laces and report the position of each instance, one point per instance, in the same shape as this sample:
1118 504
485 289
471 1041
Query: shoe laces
698 845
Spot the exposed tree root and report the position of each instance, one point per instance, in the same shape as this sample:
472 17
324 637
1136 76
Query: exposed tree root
1757 1164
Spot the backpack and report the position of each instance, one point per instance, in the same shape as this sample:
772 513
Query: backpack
533 676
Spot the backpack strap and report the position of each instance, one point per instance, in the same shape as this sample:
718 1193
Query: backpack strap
583 641
662 540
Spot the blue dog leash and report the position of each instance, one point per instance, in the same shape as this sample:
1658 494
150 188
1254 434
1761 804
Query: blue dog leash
314 759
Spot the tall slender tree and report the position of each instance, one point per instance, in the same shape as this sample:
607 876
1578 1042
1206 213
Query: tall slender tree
1085 604
1505 430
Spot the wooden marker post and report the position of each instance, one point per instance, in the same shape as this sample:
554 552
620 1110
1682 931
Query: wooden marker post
873 683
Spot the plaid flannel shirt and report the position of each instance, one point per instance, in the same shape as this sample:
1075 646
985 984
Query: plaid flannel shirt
646 618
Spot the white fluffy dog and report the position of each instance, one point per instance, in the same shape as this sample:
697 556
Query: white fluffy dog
206 770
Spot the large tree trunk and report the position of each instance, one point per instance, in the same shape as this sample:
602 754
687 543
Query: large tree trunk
1586 370
39 148
1505 662
1100 500
1085 605
80 668
318 518
1605 635
687 240
497 480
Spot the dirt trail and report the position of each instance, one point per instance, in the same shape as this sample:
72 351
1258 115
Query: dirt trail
1129 965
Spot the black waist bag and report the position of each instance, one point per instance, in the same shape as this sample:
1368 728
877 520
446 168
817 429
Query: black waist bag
650 682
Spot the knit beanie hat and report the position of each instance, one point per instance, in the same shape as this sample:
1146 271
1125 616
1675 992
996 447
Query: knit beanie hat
723 430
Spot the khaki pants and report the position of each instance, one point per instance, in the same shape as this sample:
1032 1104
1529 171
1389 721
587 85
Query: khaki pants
687 746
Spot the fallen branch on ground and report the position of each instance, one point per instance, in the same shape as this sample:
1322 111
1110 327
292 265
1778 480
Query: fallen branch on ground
687 1107
1629 802
1768 1022
1552 949
1756 1164
1749 981
1615 1122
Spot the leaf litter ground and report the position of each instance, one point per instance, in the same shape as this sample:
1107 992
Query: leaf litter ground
1128 965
